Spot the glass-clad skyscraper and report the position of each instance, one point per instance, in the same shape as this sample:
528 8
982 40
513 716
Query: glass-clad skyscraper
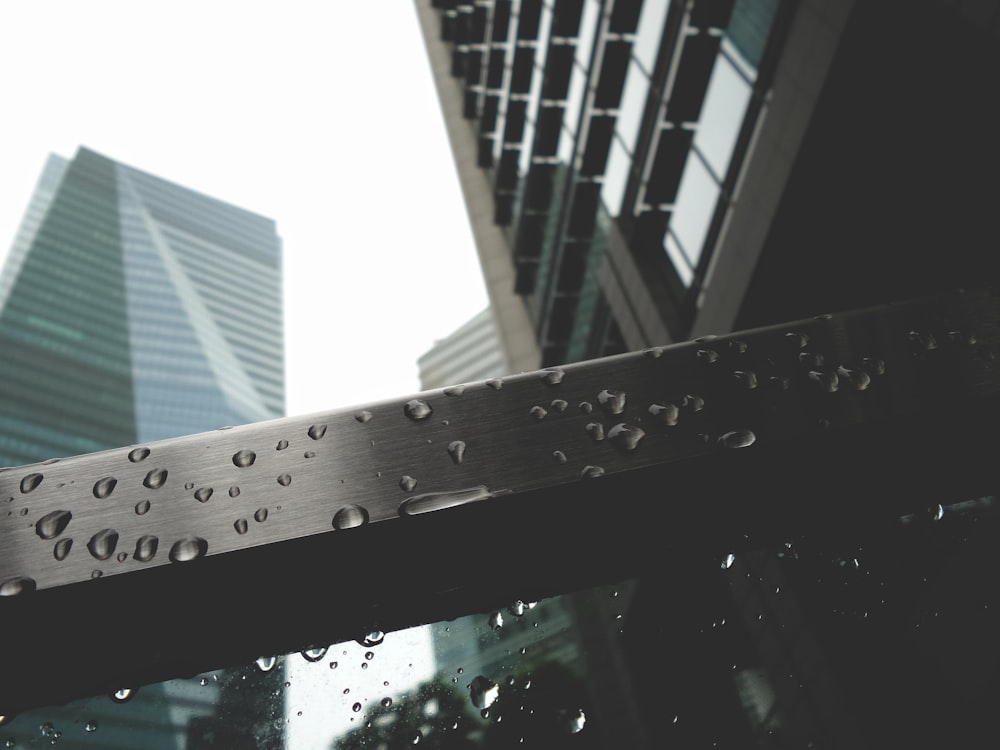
133 309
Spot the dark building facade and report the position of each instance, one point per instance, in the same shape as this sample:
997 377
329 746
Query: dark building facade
663 170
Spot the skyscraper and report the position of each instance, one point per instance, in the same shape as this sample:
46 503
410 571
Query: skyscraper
133 309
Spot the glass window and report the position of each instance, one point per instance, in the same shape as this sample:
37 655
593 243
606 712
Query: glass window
696 200
574 99
588 29
678 259
616 178
649 33
722 115
633 104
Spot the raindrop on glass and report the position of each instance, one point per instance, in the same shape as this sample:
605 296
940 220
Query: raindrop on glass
145 548
155 479
552 376
737 439
16 586
260 515
202 494
285 479
142 507
53 524
625 436
349 517
61 549
188 548
407 483
138 454
30 482
316 431
456 449
244 458
483 692
102 544
417 409
104 487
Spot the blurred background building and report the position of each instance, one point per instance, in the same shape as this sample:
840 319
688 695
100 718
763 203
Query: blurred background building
473 352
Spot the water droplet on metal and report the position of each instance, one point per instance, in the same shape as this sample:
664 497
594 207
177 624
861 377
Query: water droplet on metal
937 512
746 378
407 483
496 620
122 695
138 454
654 352
102 544
282 444
62 548
433 501
693 403
285 479
559 405
316 431
828 381
53 524
811 359
590 472
737 439
17 586
244 458
142 507
122 557
312 454
356 707
483 692
363 416
314 654
104 487
740 347
260 515
189 485
95 574
187 549
495 383
559 456
386 702
373 638
266 663
625 436
349 517
155 479
417 736
708 356
518 608
538 412
728 560
203 494
145 548
666 414
456 449
586 407
595 430
613 402
454 390
572 721
30 482
859 379
552 376
922 341
234 491
797 340
90 726
241 525
417 409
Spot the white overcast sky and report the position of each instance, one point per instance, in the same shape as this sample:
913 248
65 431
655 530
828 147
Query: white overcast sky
319 114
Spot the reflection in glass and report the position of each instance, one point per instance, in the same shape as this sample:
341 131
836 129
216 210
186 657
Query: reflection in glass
649 32
696 199
633 104
616 178
588 30
722 115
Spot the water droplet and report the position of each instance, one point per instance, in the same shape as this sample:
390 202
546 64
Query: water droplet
316 431
95 574
203 494
518 608
922 341
559 456
613 402
314 654
456 449
189 485
937 512
244 458
780 382
145 548
495 383
625 436
828 381
138 454
30 482
102 544
483 692
552 376
53 524
417 409
417 736
386 702
572 721
104 487
312 454
538 412
737 439
873 366
797 340
285 479
740 347
142 507
122 695
356 707
708 355
241 525
586 407
728 560
349 517
496 620
859 379
373 638
17 585
260 515
234 491
188 548
595 430
667 414
155 479
407 483
590 472
810 359
122 557
333 665
693 403
454 390
62 548
90 726
266 663
433 501
746 378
